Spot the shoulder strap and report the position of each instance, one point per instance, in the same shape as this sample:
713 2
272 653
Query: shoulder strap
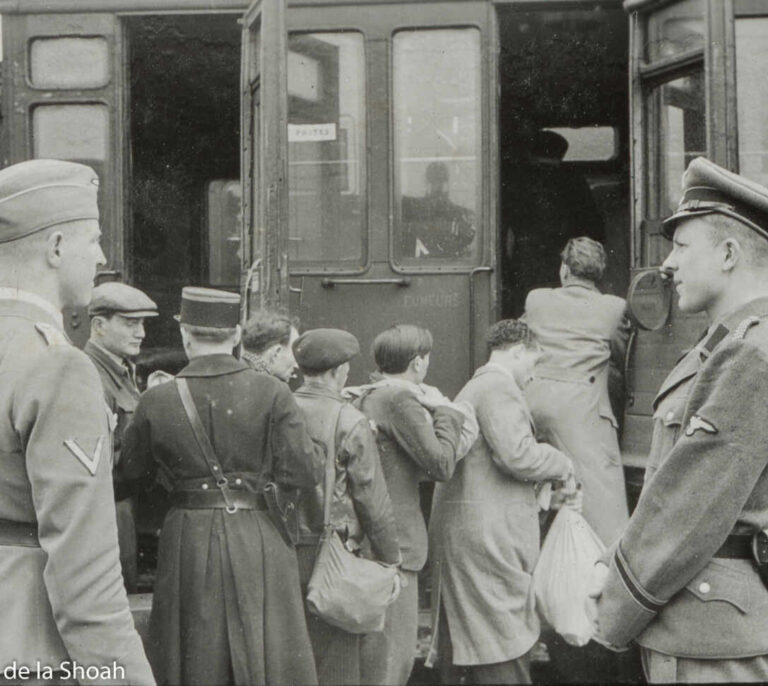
330 465
204 443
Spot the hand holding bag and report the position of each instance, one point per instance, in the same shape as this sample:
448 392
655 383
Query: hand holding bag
349 592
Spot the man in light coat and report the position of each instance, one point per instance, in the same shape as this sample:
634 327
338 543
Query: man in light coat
484 529
582 332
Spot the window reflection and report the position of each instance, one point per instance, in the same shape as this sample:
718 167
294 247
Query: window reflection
676 29
326 148
436 77
677 134
751 67
223 221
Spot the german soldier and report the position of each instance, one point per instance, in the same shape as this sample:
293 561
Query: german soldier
117 313
682 579
62 594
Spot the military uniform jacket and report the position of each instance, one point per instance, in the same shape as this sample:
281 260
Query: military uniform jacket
65 599
707 479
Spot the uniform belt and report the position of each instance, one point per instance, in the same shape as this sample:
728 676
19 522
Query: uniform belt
214 500
18 533
736 547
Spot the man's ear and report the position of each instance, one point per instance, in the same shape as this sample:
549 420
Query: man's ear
271 353
733 253
53 246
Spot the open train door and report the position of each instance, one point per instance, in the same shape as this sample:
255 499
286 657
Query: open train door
264 156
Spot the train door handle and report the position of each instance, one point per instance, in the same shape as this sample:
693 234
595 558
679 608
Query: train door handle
402 282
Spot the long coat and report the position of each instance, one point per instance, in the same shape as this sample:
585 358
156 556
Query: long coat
484 529
580 331
667 588
62 594
227 604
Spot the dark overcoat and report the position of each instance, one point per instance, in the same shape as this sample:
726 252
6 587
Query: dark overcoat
227 606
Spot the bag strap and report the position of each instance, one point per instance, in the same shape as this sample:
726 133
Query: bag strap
204 443
330 465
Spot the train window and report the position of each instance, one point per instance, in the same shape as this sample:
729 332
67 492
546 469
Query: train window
751 67
69 131
436 101
676 29
223 225
69 62
589 143
326 148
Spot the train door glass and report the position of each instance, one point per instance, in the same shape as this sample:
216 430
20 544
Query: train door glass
63 98
326 150
752 98
436 105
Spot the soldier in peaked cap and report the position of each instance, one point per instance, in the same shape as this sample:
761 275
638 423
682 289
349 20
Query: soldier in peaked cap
62 593
360 508
682 581
117 313
227 606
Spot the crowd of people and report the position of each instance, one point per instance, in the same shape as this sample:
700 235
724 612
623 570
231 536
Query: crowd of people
532 430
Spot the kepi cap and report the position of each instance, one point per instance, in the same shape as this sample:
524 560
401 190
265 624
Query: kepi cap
38 194
122 299
319 350
209 307
710 189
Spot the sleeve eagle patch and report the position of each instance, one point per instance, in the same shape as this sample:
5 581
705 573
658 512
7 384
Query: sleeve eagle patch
90 462
696 423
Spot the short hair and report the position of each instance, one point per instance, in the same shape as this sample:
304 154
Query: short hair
585 258
266 328
754 245
209 334
395 347
507 333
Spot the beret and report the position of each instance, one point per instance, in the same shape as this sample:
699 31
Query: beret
38 194
319 350
120 298
209 307
710 189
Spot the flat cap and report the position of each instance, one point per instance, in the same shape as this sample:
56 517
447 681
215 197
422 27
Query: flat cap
209 307
710 189
120 298
38 194
319 350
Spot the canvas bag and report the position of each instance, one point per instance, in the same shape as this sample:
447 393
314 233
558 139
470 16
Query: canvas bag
562 575
349 592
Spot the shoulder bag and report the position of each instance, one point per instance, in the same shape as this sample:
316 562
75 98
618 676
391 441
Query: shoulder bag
347 591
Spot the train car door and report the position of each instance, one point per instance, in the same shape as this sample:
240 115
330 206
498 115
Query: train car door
264 166
65 99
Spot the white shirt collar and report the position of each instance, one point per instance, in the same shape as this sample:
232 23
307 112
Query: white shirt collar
32 299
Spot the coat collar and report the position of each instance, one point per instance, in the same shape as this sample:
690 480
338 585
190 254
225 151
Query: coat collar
213 365
585 286
314 390
509 381
122 375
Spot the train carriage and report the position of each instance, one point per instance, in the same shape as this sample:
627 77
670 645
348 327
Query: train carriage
362 162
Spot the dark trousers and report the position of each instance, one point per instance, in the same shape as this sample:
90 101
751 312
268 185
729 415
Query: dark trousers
126 539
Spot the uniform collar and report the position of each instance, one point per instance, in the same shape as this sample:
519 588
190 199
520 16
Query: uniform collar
19 295
213 365
724 325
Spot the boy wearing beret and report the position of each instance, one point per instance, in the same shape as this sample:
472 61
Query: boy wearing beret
360 508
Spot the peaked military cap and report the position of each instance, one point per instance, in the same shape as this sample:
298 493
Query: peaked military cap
209 307
710 189
38 194
120 298
319 350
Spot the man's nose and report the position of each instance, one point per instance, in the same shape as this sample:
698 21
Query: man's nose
101 258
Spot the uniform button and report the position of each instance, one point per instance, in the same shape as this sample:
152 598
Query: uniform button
704 587
205 487
670 416
238 481
215 468
591 379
